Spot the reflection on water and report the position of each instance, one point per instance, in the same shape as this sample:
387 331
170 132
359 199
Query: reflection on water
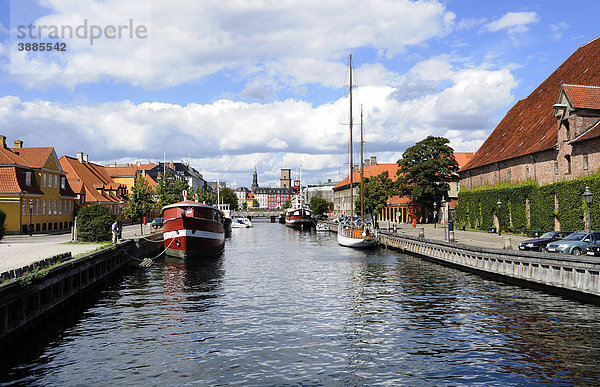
283 306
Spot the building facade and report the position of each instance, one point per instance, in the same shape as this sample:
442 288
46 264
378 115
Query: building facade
551 135
34 191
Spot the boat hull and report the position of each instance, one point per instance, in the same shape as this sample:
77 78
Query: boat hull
298 222
193 237
352 237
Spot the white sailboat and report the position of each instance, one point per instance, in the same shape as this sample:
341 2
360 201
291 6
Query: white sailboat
350 232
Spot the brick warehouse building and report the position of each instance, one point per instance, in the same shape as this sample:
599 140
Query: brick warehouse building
552 135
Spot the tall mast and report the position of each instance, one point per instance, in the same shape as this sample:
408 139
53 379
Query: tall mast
351 162
362 208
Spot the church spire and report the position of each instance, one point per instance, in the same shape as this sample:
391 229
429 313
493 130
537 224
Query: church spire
254 180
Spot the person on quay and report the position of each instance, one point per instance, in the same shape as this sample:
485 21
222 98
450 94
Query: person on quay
115 232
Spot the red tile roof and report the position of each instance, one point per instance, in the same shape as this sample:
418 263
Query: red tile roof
8 157
12 180
35 156
130 171
370 171
462 158
583 97
529 126
89 178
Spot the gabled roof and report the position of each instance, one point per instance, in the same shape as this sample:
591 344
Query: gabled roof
35 156
90 178
583 97
529 126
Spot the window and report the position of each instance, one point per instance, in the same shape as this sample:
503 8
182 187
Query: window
24 207
70 206
44 180
458 186
44 207
470 182
568 160
60 207
55 206
556 167
56 181
28 179
37 206
49 181
585 162
62 182
527 173
509 175
495 177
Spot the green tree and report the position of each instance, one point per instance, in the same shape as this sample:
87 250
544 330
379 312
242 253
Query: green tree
94 222
425 169
141 201
169 190
287 204
2 225
206 197
255 203
377 190
227 196
244 205
319 204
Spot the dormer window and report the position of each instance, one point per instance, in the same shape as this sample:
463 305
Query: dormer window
28 179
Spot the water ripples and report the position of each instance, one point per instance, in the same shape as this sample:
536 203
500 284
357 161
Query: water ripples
283 307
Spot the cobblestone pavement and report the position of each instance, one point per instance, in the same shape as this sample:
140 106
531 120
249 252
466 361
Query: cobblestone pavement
21 250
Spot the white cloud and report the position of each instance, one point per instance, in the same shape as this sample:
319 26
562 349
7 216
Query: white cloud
513 22
293 42
438 96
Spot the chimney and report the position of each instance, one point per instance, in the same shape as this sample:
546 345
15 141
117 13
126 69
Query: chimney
374 161
80 157
85 158
139 163
18 144
3 141
367 162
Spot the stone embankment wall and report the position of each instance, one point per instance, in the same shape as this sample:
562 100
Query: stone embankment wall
578 277
39 293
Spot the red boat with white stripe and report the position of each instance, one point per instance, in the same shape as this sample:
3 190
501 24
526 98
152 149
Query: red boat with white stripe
192 229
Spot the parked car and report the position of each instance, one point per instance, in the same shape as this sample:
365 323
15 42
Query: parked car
157 223
594 247
575 243
539 244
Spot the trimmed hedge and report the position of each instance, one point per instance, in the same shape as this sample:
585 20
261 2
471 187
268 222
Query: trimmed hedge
94 223
477 208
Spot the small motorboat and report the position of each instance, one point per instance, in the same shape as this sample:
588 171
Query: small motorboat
241 223
322 227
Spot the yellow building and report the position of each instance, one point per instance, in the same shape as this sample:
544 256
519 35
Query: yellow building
34 191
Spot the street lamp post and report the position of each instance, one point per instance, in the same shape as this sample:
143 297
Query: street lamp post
30 228
434 215
443 209
587 196
499 226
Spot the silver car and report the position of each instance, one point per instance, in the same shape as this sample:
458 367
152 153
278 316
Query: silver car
575 243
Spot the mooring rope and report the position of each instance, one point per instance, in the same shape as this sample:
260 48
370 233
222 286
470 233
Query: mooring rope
149 261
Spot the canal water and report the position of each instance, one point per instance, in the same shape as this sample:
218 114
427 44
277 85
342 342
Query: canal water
282 307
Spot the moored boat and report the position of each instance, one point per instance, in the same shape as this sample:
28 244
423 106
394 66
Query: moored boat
193 230
299 217
241 222
353 233
322 227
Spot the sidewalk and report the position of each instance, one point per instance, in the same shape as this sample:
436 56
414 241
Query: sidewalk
471 238
21 250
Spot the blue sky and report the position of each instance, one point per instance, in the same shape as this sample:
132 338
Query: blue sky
234 84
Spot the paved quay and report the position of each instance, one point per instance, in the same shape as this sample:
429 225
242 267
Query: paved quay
17 251
469 238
